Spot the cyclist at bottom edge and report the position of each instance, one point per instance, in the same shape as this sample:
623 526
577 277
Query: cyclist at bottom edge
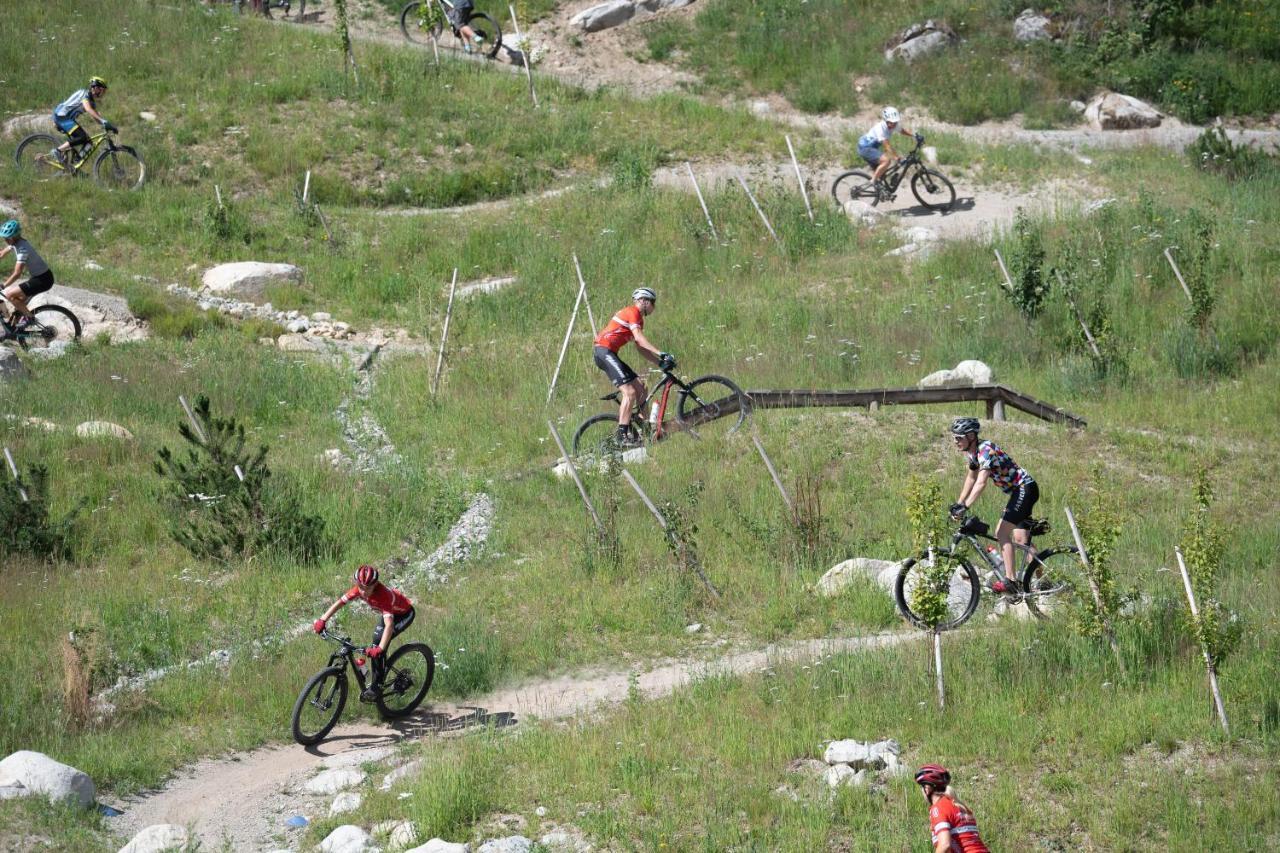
988 463
397 614
28 260
460 19
626 326
879 137
951 823
65 114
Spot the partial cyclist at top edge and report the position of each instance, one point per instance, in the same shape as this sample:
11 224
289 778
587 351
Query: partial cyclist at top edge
876 145
987 463
76 104
627 325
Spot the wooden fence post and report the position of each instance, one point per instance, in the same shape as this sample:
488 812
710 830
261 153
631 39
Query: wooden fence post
573 316
1169 257
799 178
1088 336
217 193
1208 659
1097 595
1008 282
756 205
701 201
306 187
937 669
524 56
444 335
777 481
13 469
573 472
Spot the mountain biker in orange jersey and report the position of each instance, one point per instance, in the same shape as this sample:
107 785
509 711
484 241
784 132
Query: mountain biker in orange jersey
65 114
952 824
879 136
625 326
988 463
397 615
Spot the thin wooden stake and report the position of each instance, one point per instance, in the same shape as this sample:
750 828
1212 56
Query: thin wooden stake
323 222
573 472
701 201
1088 336
444 335
1208 660
1097 595
195 425
239 473
756 205
1008 282
799 178
666 528
583 284
524 55
13 469
777 481
306 186
937 669
217 193
1182 281
573 317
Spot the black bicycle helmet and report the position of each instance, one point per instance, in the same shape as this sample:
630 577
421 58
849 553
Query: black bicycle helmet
964 426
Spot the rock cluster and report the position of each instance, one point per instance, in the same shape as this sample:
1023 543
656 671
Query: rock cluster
1032 26
1113 111
920 40
614 13
854 762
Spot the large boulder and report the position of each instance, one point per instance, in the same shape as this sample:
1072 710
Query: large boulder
347 801
11 367
298 343
966 373
604 16
399 833
37 773
103 429
1032 26
1113 111
333 781
30 123
861 755
249 278
157 839
838 577
348 839
920 40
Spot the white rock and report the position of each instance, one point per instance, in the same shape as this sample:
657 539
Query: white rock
1095 206
540 811
11 367
402 772
333 781
761 109
40 774
248 278
488 285
843 774
347 801
348 839
839 576
920 234
322 317
1113 111
298 326
154 839
635 455
860 755
402 834
1078 107
356 757
510 844
921 40
862 213
102 429
92 265
1032 26
905 249
894 767
560 841
147 115
298 343
604 16
693 629
439 845
966 373
30 123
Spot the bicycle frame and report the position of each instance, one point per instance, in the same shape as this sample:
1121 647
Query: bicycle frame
95 142
897 173
643 408
346 655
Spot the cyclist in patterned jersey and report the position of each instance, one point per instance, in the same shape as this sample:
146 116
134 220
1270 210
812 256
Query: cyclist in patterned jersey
627 326
65 114
397 615
880 136
952 824
988 463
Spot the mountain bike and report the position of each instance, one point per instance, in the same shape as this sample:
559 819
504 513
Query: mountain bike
117 167
930 186
51 323
422 22
409 671
1051 578
706 400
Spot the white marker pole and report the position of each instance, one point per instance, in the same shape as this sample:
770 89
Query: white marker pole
1208 661
306 186
524 55
583 284
444 335
756 205
565 346
13 469
701 201
799 178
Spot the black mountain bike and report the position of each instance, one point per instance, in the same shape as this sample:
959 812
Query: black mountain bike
930 186
51 323
706 400
423 22
409 671
1051 577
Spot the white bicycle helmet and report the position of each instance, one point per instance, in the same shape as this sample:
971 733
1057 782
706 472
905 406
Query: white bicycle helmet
644 293
889 114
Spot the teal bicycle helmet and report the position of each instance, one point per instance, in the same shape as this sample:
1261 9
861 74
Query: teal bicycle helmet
10 229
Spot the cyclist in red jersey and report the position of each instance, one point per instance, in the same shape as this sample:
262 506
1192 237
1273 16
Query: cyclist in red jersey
397 615
626 326
952 824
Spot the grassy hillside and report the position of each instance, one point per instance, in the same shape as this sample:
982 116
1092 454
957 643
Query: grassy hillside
1174 393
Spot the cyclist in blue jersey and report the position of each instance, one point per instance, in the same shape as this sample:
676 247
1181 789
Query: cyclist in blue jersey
873 144
77 103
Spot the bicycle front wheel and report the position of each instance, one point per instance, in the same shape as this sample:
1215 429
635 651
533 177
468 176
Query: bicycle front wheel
120 168
954 585
488 33
712 405
933 190
410 671
52 323
319 705
421 23
34 158
1054 582
854 186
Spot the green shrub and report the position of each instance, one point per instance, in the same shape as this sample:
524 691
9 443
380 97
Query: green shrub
1027 267
1100 525
1216 627
27 527
1213 151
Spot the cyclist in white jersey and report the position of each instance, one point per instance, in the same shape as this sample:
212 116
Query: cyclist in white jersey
77 103
871 143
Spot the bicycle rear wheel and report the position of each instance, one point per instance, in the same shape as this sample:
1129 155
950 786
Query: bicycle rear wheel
953 577
712 405
120 168
410 670
488 32
421 24
319 705
33 157
597 437
933 190
1053 582
52 323
854 186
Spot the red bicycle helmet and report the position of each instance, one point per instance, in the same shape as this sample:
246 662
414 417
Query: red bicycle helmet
366 576
933 774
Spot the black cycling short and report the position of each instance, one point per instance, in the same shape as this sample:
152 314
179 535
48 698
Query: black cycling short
618 371
36 284
461 13
1021 500
403 621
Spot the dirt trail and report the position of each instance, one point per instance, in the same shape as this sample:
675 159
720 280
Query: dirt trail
242 800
